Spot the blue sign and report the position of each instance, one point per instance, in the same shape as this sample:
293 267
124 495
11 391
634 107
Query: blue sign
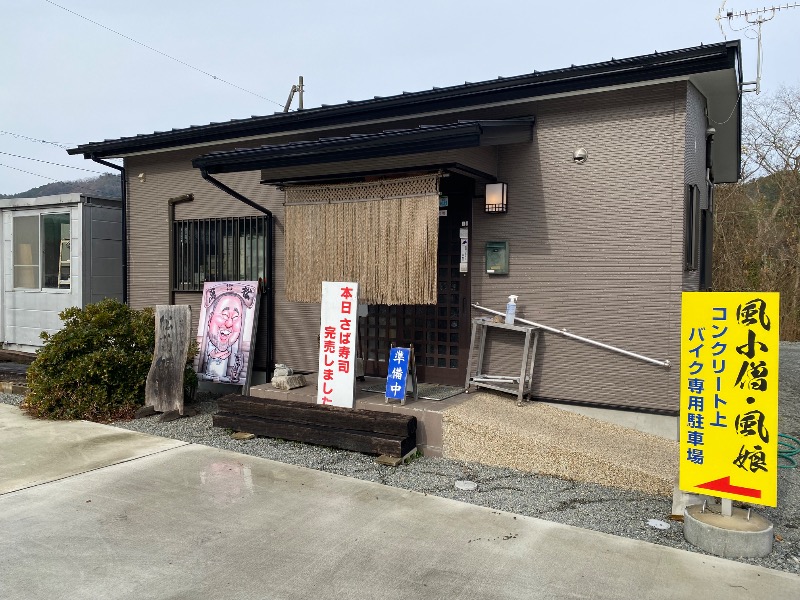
397 373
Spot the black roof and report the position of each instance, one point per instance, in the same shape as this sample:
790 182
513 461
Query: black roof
650 67
397 142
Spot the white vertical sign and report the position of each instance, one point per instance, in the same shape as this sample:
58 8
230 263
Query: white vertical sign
337 343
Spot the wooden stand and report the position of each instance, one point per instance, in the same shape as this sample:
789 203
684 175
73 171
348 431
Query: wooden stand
520 386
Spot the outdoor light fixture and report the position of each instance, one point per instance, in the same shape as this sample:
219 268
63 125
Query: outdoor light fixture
496 198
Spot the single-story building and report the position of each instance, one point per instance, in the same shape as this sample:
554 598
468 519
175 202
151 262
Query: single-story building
603 219
57 252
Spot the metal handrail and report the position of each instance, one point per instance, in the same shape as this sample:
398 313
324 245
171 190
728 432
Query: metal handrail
661 363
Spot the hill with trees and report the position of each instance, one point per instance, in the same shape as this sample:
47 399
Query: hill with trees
103 186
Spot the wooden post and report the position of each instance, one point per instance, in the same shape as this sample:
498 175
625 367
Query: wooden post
164 388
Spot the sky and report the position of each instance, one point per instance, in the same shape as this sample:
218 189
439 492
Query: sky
69 81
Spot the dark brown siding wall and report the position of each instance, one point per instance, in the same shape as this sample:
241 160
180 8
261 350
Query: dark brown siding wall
167 175
595 248
296 323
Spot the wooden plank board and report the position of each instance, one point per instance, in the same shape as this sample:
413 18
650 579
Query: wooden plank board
164 387
358 441
327 416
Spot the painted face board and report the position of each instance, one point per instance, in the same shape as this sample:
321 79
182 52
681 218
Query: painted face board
226 331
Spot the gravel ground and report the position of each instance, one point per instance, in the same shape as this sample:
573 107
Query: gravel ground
586 505
492 429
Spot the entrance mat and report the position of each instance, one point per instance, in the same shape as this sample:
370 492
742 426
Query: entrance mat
425 391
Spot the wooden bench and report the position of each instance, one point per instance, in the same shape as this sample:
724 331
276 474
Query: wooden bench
368 431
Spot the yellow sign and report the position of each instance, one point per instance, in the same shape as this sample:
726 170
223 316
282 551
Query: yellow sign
729 395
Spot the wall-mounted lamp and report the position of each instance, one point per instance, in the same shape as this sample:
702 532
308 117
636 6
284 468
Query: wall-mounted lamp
142 177
580 156
496 198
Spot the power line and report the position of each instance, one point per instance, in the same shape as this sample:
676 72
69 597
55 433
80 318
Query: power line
28 172
52 163
25 137
164 54
730 116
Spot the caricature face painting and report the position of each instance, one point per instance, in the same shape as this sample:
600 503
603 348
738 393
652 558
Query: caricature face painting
225 331
225 322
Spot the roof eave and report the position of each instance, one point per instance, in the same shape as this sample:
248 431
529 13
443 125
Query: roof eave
722 90
638 69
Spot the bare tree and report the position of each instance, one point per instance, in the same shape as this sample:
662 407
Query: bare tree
771 134
757 221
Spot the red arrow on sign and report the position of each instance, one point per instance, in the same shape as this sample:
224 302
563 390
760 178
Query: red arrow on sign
724 485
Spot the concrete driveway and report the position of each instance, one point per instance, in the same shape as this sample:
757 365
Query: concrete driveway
146 517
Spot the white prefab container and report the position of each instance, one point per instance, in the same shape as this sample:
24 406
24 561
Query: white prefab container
56 252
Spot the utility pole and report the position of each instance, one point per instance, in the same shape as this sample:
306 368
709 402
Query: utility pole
295 89
754 18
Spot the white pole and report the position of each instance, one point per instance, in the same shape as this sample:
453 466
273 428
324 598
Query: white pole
661 363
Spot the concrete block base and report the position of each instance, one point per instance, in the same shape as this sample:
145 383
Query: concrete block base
681 499
728 537
288 382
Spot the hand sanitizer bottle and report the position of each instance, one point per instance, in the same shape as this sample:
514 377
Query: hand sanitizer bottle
511 309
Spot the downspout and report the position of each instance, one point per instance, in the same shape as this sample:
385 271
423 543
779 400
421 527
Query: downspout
707 221
171 221
270 262
123 177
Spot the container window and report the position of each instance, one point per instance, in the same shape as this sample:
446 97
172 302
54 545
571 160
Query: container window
26 252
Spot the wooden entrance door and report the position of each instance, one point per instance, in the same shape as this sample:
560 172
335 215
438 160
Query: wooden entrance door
440 333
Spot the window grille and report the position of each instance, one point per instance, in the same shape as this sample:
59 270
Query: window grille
691 231
232 249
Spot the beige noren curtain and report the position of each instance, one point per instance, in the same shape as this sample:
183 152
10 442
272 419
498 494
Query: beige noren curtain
383 234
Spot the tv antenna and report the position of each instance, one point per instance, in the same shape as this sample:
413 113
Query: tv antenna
296 89
755 19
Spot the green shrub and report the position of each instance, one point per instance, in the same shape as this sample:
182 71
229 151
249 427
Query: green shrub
96 366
